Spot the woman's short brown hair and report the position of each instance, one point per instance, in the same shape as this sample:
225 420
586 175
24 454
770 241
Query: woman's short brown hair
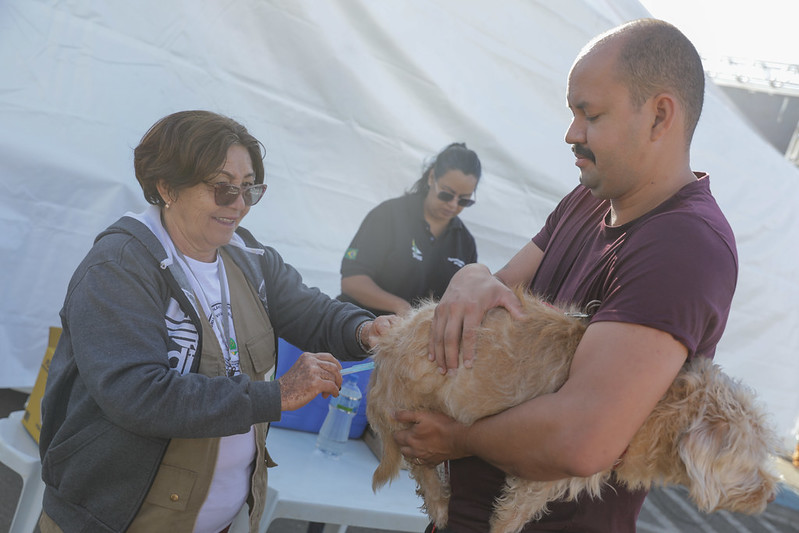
187 148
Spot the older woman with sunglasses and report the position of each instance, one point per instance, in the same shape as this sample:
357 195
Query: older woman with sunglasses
160 390
408 248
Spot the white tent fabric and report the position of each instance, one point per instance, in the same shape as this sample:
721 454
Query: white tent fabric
349 98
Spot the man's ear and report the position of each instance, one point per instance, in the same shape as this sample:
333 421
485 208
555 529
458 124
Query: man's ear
664 108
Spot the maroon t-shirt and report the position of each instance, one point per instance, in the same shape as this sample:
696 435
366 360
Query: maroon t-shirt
673 269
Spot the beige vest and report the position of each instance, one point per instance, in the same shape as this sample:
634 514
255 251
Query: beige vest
184 477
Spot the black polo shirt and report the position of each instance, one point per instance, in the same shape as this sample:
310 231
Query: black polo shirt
395 248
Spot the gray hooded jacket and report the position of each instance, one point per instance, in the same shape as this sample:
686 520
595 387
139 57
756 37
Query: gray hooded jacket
114 397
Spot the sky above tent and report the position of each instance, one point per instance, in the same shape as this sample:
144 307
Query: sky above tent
764 30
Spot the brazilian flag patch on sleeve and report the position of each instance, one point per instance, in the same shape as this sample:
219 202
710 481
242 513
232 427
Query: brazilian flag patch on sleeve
351 254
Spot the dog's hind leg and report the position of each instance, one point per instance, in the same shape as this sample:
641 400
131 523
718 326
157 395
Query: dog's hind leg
390 461
433 491
522 501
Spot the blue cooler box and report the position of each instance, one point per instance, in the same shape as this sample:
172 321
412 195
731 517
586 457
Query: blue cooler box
310 417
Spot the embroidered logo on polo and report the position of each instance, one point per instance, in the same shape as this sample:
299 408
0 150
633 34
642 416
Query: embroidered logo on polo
416 253
456 261
351 254
183 338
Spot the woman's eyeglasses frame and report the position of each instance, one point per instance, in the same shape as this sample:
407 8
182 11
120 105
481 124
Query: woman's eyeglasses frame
446 196
225 193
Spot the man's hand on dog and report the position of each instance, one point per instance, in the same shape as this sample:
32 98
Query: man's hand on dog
430 438
470 294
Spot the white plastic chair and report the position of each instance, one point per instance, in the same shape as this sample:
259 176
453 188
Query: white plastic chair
19 452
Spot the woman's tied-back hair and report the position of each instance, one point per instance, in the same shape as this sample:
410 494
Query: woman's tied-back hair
189 147
456 156
654 57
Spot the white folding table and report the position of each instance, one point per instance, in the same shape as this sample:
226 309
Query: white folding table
312 486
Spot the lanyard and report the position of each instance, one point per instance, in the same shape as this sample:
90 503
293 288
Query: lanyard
228 345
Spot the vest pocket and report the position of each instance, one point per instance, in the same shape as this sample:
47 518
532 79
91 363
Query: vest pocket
260 350
172 488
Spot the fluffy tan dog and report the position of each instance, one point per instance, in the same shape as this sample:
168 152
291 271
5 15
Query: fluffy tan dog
706 433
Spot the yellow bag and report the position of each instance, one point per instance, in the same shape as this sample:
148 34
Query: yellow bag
32 420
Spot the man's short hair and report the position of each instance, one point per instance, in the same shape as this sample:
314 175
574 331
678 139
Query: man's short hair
655 56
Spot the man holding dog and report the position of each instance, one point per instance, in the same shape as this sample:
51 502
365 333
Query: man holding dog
641 245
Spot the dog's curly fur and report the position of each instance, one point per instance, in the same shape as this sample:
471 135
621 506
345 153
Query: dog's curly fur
707 432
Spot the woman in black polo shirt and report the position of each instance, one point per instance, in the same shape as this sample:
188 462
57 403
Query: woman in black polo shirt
408 248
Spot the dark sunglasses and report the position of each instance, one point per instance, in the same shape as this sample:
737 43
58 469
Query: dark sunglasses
447 197
226 194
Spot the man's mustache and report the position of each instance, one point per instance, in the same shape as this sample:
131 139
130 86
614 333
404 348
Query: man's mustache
583 152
